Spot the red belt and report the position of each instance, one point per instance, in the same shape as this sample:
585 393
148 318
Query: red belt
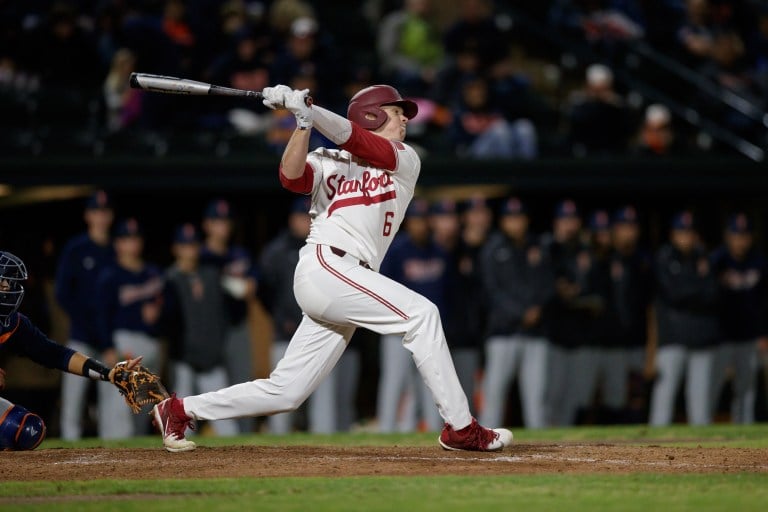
341 253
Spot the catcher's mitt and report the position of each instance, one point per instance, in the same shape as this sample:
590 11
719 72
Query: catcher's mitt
138 385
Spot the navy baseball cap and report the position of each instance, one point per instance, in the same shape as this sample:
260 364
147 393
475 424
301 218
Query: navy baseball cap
625 215
218 209
186 233
739 223
98 200
566 208
683 220
128 227
513 206
474 202
599 220
443 207
418 208
301 205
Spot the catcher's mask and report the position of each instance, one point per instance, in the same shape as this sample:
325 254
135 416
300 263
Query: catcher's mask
12 275
365 106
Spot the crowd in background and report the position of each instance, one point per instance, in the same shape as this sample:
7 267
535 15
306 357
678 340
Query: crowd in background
581 322
463 62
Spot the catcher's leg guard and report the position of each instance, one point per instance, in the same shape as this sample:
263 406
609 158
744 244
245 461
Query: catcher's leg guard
19 428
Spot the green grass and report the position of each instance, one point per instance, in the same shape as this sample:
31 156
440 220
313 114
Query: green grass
561 492
642 493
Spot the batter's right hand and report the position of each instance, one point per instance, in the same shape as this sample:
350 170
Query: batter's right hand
274 97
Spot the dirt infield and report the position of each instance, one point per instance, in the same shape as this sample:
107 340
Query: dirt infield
263 461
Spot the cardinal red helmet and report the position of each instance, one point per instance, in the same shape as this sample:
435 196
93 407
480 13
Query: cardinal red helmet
365 106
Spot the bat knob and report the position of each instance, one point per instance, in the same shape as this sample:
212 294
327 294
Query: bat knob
134 81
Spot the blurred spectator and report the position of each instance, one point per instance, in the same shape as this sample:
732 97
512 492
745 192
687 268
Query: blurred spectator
245 62
239 281
464 65
657 136
711 41
196 320
60 51
597 117
468 300
476 32
123 103
417 262
705 44
130 302
599 21
757 48
741 270
307 52
410 48
688 326
480 130
80 262
282 14
518 280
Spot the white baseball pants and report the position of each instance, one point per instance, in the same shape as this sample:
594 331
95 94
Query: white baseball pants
337 295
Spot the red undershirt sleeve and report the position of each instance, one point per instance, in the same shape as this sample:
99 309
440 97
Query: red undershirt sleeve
301 185
377 151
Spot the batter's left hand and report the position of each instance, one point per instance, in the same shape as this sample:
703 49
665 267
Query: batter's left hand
275 97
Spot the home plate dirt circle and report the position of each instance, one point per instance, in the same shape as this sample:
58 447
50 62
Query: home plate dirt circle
282 461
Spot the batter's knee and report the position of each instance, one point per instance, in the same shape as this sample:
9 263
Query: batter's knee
425 309
21 429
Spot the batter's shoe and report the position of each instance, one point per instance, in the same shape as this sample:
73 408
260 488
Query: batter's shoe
172 421
475 438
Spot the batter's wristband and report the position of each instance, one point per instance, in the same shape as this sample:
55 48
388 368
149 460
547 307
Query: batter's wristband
94 369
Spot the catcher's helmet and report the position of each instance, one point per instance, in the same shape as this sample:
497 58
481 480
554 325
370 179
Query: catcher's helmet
12 274
367 103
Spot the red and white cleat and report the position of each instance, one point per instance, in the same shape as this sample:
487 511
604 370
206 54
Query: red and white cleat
475 438
172 421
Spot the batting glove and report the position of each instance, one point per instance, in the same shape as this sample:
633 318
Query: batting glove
296 102
274 97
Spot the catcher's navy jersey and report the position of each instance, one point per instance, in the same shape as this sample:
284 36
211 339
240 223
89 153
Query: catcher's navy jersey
23 338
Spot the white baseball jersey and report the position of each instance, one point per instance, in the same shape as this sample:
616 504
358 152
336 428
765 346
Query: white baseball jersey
359 208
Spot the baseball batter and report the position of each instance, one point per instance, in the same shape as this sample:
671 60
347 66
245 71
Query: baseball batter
359 193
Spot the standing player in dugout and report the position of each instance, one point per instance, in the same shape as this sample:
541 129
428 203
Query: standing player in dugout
359 193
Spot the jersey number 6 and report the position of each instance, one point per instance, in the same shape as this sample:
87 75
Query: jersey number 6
388 223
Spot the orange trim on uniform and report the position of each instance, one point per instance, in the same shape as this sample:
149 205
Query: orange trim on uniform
2 418
5 336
